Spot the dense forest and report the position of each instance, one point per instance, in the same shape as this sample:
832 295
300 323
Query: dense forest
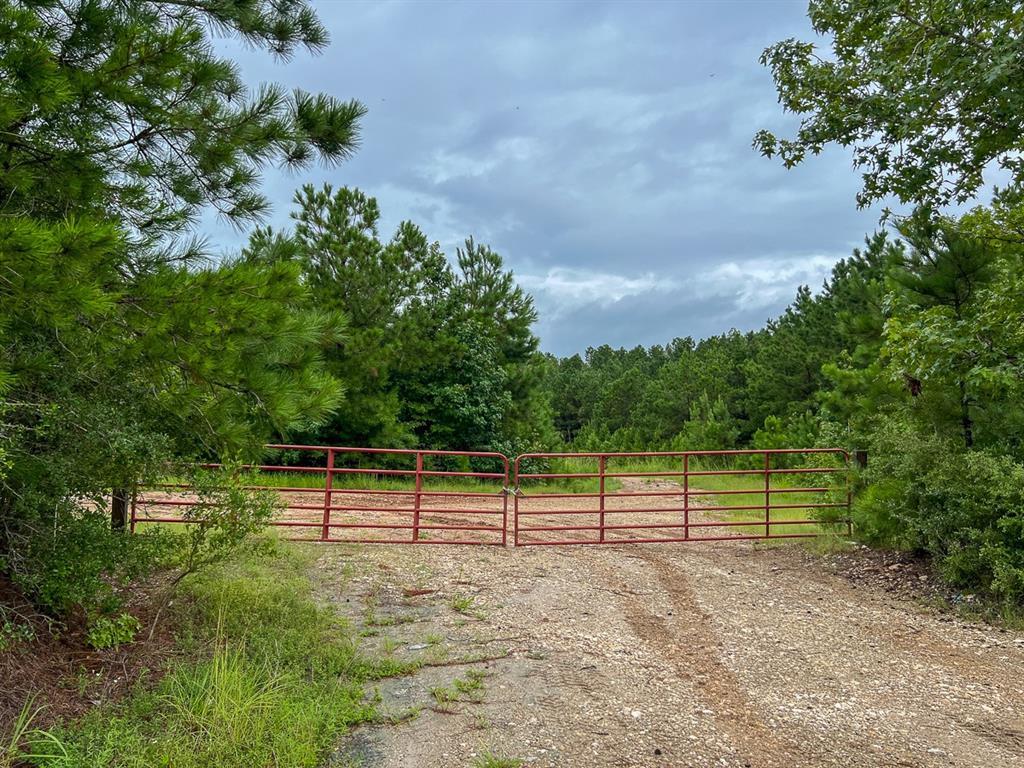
125 346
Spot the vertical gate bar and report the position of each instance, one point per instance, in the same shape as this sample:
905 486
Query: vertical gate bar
600 470
418 497
504 505
849 498
325 532
134 513
515 503
767 494
686 496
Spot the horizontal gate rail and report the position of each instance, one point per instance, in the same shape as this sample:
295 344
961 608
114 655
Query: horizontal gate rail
466 503
680 496
399 496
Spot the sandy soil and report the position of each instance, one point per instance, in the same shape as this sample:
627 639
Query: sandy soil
709 654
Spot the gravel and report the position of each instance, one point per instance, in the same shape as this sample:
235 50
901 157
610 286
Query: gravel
701 654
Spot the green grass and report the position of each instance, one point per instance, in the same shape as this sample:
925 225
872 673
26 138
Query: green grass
469 688
491 760
21 743
266 677
466 605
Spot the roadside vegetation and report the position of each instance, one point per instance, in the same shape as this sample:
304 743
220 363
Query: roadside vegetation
262 675
126 349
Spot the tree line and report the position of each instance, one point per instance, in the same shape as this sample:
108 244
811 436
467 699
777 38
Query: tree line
125 347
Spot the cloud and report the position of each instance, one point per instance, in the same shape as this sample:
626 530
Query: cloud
765 283
563 288
605 153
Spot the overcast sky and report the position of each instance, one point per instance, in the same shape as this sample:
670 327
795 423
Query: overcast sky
604 149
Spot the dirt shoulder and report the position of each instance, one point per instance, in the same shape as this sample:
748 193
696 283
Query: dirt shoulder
711 654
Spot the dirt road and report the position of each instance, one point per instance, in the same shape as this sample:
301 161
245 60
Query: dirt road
713 654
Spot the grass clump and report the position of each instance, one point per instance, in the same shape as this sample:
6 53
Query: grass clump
491 760
267 677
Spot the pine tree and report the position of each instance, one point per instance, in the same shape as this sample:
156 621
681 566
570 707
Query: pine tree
120 345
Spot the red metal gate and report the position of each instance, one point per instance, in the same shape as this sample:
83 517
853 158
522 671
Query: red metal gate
389 496
621 498
364 495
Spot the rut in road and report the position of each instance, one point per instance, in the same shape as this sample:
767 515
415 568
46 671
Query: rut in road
672 655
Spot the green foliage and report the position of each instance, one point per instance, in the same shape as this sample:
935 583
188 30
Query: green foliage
962 507
110 632
268 678
709 428
797 432
225 514
125 107
14 630
928 94
120 346
81 563
21 741
434 356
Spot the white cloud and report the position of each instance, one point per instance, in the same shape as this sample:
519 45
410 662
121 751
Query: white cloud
562 289
742 285
764 282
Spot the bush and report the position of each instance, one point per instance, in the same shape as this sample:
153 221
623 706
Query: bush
224 515
710 428
107 632
964 508
80 563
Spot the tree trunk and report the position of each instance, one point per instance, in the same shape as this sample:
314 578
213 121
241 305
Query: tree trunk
119 509
965 416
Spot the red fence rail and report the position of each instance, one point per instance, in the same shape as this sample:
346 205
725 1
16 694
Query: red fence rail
365 495
680 496
395 496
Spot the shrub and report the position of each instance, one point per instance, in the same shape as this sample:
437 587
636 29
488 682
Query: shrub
225 514
107 632
964 508
80 563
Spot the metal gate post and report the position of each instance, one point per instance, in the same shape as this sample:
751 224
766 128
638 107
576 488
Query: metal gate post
325 532
767 494
862 462
515 501
504 504
418 497
600 470
686 496
134 508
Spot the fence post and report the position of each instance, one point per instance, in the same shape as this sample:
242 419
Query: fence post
686 496
134 507
418 497
118 509
504 503
600 470
325 532
767 494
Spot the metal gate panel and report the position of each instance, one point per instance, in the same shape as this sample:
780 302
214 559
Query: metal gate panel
365 495
684 496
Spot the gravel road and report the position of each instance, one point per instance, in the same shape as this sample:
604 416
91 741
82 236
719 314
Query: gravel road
711 654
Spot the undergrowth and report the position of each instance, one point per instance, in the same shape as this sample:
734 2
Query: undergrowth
265 677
